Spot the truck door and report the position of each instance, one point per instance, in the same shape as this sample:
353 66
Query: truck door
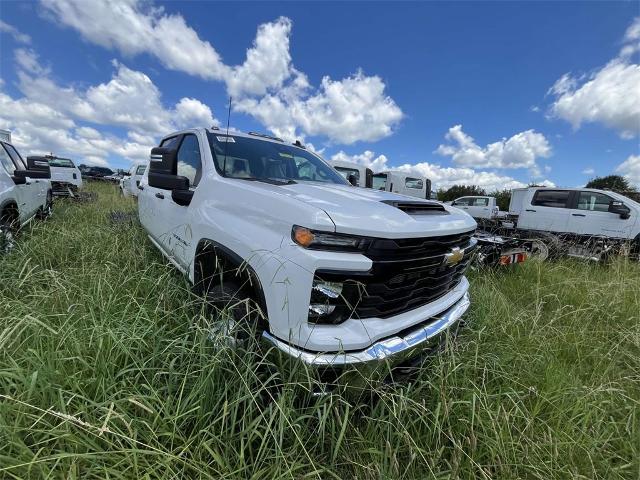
590 216
414 187
177 236
547 211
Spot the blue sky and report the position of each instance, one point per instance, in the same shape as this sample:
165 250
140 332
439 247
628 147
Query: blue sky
496 94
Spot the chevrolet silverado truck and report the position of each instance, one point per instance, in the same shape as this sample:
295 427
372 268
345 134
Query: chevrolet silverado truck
66 179
25 193
343 277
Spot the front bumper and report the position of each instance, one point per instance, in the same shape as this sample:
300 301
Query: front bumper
384 355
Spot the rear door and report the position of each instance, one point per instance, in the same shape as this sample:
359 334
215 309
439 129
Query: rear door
548 210
590 216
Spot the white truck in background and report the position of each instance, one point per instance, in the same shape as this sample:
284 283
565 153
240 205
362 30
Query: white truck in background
480 207
129 183
66 179
399 182
577 222
357 175
5 136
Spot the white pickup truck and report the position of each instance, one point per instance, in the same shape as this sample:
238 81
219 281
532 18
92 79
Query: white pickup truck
25 193
583 220
253 220
66 179
357 175
129 183
479 207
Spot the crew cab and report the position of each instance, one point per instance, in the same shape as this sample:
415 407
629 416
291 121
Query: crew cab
578 214
66 179
479 207
25 193
342 276
129 183
398 182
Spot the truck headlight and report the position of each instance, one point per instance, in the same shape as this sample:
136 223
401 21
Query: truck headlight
317 240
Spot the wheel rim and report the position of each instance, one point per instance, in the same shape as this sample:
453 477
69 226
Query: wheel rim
7 240
539 250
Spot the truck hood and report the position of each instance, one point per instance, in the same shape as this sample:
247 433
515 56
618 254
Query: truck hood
361 211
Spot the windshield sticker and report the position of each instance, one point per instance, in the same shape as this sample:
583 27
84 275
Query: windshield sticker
226 139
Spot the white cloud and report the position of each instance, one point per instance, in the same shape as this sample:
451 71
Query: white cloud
588 171
346 111
17 35
520 151
266 85
630 168
130 99
609 95
441 177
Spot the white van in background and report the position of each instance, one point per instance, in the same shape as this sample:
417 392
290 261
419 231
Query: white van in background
362 176
129 184
399 182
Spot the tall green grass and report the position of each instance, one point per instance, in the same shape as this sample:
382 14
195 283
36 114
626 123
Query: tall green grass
106 372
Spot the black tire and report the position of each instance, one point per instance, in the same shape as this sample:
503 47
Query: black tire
47 209
8 232
235 318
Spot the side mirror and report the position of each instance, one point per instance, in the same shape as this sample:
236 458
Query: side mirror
182 197
163 160
619 208
33 173
352 180
19 180
166 181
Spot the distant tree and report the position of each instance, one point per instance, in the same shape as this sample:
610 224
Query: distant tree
457 191
503 198
616 183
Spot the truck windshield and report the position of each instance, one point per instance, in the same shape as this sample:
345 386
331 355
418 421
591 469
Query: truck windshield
61 162
380 181
257 159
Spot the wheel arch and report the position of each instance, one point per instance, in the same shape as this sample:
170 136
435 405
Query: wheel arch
10 207
212 256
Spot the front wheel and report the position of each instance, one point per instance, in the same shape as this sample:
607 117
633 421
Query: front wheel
234 317
47 209
539 250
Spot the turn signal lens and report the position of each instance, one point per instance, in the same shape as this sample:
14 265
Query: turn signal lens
303 236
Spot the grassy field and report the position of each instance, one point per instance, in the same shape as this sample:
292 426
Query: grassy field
105 373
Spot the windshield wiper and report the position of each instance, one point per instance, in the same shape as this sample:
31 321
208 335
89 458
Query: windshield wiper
270 181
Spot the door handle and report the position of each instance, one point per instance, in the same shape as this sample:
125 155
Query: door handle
578 215
159 195
529 210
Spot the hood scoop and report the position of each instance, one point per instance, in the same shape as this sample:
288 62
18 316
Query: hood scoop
418 208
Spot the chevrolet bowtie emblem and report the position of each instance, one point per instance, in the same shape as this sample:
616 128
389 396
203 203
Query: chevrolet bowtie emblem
454 256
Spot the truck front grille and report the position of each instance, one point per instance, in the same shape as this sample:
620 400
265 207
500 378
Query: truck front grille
406 274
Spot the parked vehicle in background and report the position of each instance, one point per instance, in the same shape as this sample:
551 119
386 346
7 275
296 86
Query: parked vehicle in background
275 236
25 192
66 178
398 182
579 222
357 175
97 173
479 207
129 184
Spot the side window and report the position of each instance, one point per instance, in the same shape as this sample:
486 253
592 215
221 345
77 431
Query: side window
140 170
15 156
464 202
189 163
416 183
6 162
597 202
169 142
480 202
551 198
